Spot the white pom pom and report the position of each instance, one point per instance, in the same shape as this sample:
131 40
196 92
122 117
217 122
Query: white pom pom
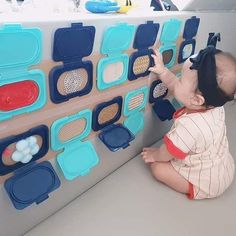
34 149
17 156
26 151
26 158
31 140
21 145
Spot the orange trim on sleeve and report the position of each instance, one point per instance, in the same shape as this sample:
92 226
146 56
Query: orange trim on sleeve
191 192
173 150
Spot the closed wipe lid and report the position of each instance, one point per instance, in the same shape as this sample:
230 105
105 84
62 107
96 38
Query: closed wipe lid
191 27
41 131
73 43
117 38
32 184
116 136
19 47
77 160
170 31
58 144
146 35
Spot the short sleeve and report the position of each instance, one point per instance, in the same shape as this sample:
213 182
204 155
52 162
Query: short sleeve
180 141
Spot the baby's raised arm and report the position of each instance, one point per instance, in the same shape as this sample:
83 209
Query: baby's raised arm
165 75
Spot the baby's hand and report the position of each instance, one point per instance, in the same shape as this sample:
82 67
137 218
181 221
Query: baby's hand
159 67
149 155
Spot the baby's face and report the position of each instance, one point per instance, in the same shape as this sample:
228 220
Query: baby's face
186 87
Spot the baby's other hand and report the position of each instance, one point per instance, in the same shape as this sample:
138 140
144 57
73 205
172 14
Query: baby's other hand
159 66
148 155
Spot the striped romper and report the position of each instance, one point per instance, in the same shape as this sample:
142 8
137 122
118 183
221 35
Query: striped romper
199 144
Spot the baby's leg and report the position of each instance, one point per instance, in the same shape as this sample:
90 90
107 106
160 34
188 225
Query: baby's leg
165 173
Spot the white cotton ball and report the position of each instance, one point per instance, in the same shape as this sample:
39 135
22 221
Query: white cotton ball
34 149
31 140
17 156
26 158
26 151
21 145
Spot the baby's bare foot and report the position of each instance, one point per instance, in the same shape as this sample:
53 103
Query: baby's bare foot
149 155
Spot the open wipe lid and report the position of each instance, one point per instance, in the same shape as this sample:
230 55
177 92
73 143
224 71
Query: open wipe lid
158 90
41 131
135 123
19 47
116 136
77 160
117 38
135 101
31 183
164 109
146 35
101 107
191 27
58 144
73 43
170 31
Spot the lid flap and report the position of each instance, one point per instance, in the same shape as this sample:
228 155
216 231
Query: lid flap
116 136
25 146
191 27
58 144
170 31
117 38
78 159
135 123
73 43
135 101
97 113
146 35
164 109
32 185
19 47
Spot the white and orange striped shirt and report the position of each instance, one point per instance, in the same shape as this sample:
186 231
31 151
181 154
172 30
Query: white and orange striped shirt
199 144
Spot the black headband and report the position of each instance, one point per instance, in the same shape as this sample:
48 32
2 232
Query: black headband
205 65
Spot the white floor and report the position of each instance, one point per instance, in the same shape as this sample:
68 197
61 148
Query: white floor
130 202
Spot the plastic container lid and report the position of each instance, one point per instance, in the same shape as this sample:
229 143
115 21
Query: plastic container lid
132 94
116 136
164 109
31 183
146 35
19 47
191 27
170 31
117 38
77 160
73 43
95 123
78 157
41 131
56 143
135 123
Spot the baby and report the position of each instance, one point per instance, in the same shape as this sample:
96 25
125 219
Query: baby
195 158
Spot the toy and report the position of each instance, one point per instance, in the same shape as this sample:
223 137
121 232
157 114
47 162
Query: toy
125 5
101 6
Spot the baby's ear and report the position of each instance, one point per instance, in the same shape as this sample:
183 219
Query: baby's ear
197 100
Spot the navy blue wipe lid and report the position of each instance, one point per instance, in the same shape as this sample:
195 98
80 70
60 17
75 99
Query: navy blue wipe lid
31 183
73 43
99 108
164 109
146 35
41 131
191 27
116 136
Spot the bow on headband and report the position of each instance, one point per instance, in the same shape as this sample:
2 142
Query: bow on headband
205 65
